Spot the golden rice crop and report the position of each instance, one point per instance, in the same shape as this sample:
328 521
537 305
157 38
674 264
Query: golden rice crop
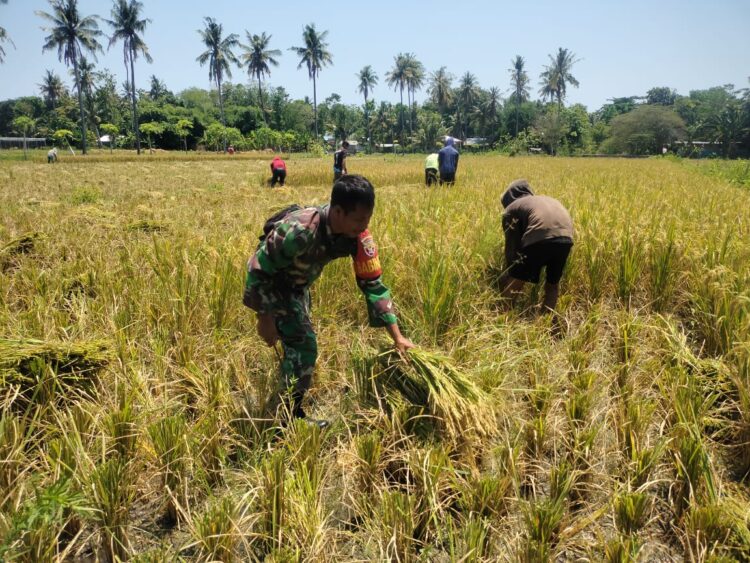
621 433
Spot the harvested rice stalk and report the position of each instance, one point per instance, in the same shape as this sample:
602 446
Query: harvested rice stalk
82 284
431 380
21 245
21 360
94 215
148 226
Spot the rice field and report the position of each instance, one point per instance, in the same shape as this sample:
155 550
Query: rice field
134 384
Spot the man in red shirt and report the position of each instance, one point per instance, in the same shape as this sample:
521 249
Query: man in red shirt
278 171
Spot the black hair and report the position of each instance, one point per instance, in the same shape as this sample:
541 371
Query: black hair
351 190
345 144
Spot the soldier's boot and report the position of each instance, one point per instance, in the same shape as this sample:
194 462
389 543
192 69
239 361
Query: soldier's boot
299 412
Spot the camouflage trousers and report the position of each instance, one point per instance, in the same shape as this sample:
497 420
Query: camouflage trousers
300 347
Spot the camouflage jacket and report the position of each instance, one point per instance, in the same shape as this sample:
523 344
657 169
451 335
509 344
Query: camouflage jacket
292 257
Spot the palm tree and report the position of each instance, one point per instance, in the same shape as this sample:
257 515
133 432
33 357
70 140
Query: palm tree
414 81
467 96
4 37
86 77
218 55
257 56
384 122
368 79
548 88
727 126
127 27
557 75
70 34
314 55
490 108
441 90
519 81
157 89
52 89
396 78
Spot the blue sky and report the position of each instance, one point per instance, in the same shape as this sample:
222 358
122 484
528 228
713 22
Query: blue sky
625 47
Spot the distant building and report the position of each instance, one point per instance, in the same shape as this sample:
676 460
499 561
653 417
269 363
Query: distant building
456 141
699 148
386 147
354 146
17 142
476 143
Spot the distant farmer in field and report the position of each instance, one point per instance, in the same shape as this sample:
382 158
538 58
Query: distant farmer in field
297 243
448 162
339 161
52 155
431 169
538 234
278 171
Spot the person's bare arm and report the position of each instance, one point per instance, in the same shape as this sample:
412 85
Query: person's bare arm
400 342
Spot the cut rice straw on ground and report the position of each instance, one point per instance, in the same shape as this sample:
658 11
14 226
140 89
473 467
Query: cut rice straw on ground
20 358
431 380
21 245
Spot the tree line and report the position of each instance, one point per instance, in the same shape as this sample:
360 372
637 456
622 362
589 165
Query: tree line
260 116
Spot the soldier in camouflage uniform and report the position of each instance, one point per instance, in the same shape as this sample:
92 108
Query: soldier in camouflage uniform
298 243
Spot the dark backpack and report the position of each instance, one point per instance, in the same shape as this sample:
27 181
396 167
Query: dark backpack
275 218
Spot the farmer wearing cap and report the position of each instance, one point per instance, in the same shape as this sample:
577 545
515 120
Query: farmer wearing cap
278 171
297 244
538 234
52 155
448 162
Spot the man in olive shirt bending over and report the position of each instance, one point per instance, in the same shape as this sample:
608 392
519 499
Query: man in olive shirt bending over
538 234
296 245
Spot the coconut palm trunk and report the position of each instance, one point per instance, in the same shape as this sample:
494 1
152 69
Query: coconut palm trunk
401 129
315 106
408 103
136 130
367 122
260 97
97 133
221 112
80 104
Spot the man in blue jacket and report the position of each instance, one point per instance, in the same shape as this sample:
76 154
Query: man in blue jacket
448 162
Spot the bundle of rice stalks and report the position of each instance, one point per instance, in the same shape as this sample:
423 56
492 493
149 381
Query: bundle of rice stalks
148 226
431 380
83 284
26 362
94 215
21 245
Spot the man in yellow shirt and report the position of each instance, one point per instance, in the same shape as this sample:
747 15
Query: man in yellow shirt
431 169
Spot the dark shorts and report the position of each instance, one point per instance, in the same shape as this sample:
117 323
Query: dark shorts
447 177
430 176
279 175
550 254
